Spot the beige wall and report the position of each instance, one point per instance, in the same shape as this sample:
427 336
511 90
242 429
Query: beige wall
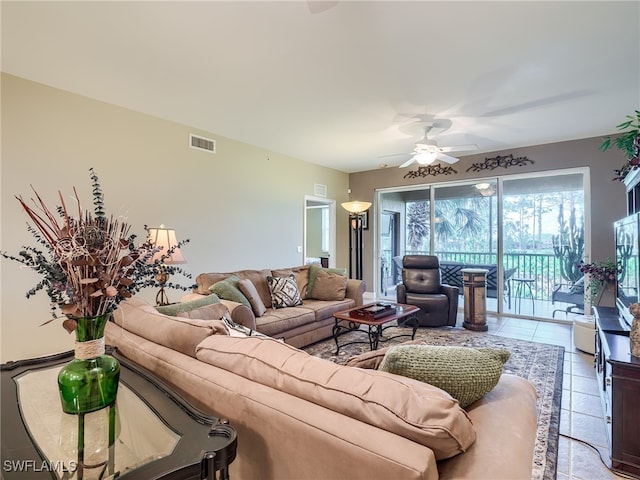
241 208
608 199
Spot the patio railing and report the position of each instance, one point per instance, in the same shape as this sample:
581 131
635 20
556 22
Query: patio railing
543 268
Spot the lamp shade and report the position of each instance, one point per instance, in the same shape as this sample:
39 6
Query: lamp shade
356 207
165 238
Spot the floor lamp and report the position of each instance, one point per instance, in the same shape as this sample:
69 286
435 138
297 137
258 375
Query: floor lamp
355 209
165 238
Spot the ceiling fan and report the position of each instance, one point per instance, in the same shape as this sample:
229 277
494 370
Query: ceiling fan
427 150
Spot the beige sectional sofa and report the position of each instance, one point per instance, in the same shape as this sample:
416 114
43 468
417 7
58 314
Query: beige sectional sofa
301 417
299 325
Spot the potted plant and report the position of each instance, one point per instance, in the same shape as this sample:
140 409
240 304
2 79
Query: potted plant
602 276
88 263
628 142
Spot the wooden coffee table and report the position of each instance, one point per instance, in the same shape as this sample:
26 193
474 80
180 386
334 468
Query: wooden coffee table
365 315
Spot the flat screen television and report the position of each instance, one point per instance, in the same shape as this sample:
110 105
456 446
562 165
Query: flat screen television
627 255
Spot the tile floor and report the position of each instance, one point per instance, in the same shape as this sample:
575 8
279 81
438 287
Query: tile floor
581 415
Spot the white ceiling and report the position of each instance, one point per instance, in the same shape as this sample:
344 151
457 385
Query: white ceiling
345 85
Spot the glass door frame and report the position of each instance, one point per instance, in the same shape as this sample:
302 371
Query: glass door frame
498 179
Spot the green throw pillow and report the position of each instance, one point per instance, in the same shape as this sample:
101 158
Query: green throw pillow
466 373
229 290
176 308
313 275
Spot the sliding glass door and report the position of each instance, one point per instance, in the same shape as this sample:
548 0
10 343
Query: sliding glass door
403 228
543 231
526 231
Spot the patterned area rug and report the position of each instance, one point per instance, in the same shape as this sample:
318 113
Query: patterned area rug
540 363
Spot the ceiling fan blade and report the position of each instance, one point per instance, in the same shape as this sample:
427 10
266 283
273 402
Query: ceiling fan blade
447 158
408 162
459 148
395 154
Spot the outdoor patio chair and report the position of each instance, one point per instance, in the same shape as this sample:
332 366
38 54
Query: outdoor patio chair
572 294
506 285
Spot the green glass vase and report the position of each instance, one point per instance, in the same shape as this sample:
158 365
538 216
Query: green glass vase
90 381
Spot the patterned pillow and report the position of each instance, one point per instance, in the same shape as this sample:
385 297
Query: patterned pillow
284 291
465 373
228 289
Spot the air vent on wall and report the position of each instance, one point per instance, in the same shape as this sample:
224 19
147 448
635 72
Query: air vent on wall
319 190
202 143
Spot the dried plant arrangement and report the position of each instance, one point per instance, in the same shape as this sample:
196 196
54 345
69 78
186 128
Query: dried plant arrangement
88 262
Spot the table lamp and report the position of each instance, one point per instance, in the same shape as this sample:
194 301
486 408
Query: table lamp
165 238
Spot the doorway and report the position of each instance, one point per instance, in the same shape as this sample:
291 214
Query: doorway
319 245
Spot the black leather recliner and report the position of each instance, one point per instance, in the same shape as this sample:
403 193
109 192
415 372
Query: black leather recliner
421 286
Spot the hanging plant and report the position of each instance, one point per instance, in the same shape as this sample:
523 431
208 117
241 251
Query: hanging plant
628 142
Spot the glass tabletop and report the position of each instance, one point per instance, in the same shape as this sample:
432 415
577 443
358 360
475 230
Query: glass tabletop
140 436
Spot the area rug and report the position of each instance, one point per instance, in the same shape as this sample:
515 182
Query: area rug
540 363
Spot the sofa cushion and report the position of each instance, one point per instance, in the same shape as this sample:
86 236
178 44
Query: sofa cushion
279 320
329 286
325 309
313 275
215 311
249 290
229 290
466 373
201 301
284 291
415 410
137 316
204 281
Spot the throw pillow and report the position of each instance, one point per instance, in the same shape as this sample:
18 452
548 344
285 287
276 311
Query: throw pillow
302 277
313 274
249 290
329 286
228 289
215 311
175 308
237 330
465 373
284 291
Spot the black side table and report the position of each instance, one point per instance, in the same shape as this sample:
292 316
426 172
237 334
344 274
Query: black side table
152 433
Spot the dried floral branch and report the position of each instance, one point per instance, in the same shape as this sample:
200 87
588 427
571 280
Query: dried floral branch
90 263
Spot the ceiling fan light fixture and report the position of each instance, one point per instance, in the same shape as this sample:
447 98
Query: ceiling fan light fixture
426 158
